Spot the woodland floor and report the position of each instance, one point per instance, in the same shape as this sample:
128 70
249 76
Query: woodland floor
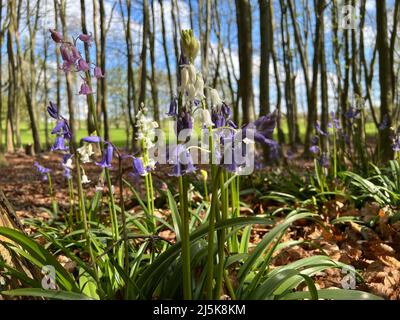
375 252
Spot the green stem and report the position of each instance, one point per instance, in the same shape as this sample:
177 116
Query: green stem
125 231
221 216
185 239
85 222
51 193
211 231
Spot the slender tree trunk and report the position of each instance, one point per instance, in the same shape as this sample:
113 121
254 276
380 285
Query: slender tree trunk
312 107
174 12
385 70
143 55
1 76
12 76
205 38
266 38
58 74
166 55
68 77
243 16
324 78
281 136
89 98
154 88
103 81
98 57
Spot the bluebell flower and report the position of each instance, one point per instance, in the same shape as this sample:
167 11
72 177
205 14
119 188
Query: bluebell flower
184 121
324 161
314 149
52 110
92 139
42 170
173 107
352 113
182 160
314 140
385 123
319 130
67 173
138 167
335 122
59 144
396 141
263 129
107 157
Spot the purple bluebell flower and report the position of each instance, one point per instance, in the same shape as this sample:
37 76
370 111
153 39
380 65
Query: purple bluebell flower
56 36
107 157
385 123
59 144
396 141
263 129
87 38
184 121
352 113
138 167
324 161
62 128
173 108
92 139
314 149
319 130
67 173
42 170
52 110
335 122
314 140
98 73
182 160
82 65
85 89
218 118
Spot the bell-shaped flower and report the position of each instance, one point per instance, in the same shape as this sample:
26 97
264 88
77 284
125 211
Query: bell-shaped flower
59 144
206 118
173 107
263 129
85 89
52 110
85 152
42 170
138 167
82 65
67 161
56 36
87 38
98 73
216 101
107 157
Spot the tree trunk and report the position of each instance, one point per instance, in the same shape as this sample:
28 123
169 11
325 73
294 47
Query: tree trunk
243 16
385 70
103 81
143 55
166 55
266 38
68 77
154 88
89 98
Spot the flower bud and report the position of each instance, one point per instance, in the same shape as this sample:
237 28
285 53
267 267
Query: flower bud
189 44
192 73
215 99
184 77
